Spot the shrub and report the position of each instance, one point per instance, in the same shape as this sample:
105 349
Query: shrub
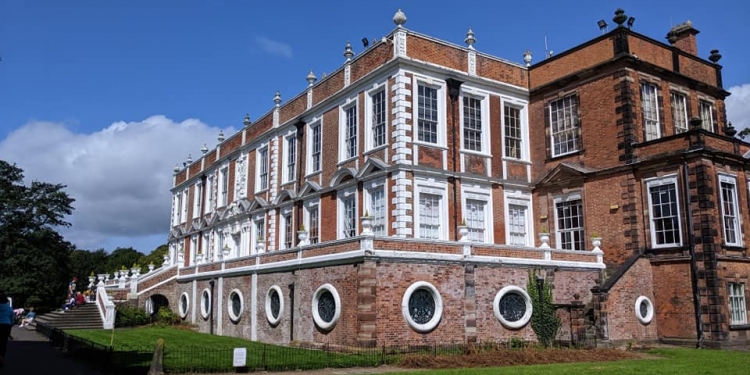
544 322
165 316
127 316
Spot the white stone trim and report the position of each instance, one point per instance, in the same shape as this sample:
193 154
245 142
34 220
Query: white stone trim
435 320
527 314
269 315
439 188
649 307
519 198
326 326
368 133
484 98
478 192
235 318
205 312
440 86
183 311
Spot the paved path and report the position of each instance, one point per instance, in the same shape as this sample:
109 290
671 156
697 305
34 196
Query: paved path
30 353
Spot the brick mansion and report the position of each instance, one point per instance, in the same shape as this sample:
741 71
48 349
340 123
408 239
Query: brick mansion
409 195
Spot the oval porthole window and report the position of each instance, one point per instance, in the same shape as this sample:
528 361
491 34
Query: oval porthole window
274 305
326 307
235 305
184 305
422 306
644 309
205 303
512 307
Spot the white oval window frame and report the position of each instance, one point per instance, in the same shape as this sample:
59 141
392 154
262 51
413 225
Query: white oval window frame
184 312
326 326
433 323
204 311
520 323
269 315
650 307
235 318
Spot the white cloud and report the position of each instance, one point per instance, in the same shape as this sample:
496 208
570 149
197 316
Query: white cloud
274 47
738 106
119 176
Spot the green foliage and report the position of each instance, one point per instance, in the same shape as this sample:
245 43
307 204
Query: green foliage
84 262
544 321
121 256
35 258
166 317
126 316
156 257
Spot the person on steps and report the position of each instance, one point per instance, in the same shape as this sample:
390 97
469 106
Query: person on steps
29 318
6 322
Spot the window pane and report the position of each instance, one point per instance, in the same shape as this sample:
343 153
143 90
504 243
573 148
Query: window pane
472 124
427 114
351 131
679 113
377 211
429 216
475 219
512 132
378 118
664 214
570 225
564 125
517 225
650 107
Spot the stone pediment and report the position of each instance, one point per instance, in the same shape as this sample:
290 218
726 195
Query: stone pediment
285 195
371 166
309 187
342 175
565 173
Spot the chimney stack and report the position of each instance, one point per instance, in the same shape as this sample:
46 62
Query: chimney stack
682 36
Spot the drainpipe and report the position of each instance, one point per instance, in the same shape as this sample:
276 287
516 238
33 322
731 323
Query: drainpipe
693 260
211 313
454 89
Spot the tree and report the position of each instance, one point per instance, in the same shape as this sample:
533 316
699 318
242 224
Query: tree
156 257
84 262
35 258
122 256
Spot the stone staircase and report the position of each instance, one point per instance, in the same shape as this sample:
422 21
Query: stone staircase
80 317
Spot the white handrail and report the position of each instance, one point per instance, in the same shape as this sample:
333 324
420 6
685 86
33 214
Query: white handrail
105 305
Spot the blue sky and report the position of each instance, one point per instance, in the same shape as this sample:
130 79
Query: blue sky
106 96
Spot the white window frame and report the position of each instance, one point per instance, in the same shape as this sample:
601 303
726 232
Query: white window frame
558 231
197 197
573 128
184 206
484 113
429 186
438 314
205 310
660 181
224 183
680 120
312 206
737 303
512 289
438 85
650 111
287 221
380 219
261 161
290 158
521 200
524 127
342 196
478 194
706 111
235 318
736 226
370 122
209 193
176 207
258 231
312 154
347 150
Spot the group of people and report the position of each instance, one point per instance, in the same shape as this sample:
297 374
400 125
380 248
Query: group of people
9 317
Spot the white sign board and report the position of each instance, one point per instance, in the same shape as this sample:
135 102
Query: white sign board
240 357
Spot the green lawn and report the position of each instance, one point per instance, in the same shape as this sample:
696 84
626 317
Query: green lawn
187 350
671 361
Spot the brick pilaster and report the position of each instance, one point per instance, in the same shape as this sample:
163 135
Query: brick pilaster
366 303
470 304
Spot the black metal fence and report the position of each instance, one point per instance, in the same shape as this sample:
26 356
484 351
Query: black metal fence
259 357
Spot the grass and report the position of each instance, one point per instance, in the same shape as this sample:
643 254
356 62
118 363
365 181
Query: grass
660 361
187 350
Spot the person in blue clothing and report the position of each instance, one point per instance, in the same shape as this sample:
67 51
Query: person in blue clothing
6 322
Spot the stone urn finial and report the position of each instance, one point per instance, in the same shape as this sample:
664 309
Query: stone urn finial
399 18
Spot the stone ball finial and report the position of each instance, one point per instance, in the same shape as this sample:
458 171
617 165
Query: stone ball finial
399 18
470 39
311 78
176 168
247 121
204 149
221 138
277 98
620 17
189 159
527 58
348 53
715 56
